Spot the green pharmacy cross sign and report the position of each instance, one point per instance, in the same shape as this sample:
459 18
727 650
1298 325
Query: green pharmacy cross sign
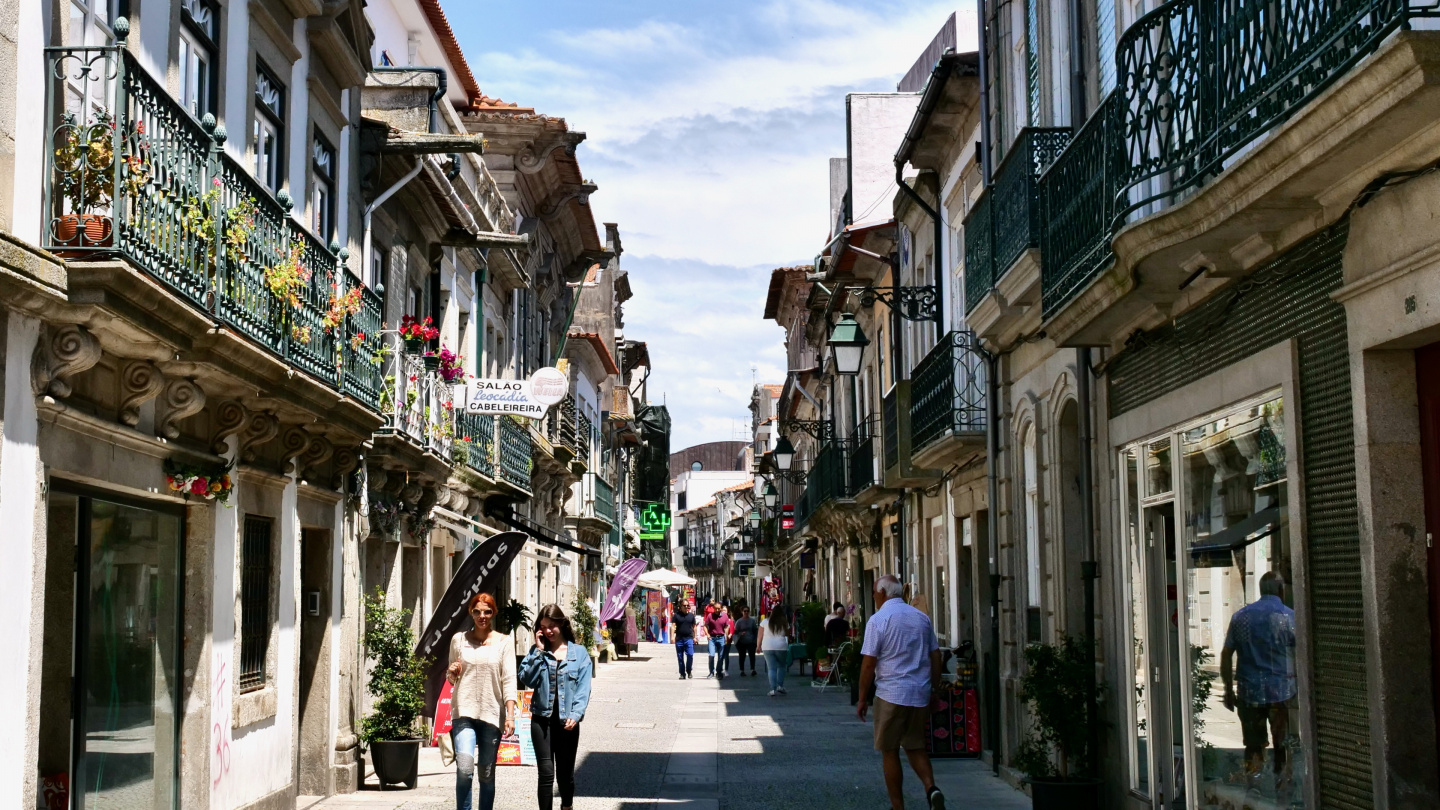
654 519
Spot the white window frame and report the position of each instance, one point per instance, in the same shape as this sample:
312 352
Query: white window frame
269 129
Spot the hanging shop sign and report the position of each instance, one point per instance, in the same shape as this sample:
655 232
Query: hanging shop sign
787 516
528 398
745 556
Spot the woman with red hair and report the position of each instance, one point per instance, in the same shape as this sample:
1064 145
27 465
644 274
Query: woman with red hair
482 672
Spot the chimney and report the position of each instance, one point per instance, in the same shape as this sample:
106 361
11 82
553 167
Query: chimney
612 239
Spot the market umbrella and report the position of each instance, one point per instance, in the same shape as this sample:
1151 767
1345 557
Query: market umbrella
660 579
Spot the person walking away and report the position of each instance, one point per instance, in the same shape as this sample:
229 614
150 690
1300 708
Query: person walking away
482 678
1261 640
901 659
837 629
682 627
558 669
775 646
745 634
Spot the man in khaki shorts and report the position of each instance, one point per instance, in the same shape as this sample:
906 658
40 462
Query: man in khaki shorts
902 661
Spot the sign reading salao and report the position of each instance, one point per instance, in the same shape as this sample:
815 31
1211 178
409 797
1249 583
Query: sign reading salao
528 398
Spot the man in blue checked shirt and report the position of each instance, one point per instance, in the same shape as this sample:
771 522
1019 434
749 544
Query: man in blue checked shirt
1257 666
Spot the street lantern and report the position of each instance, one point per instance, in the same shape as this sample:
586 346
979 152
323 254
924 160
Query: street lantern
754 519
771 496
784 454
847 345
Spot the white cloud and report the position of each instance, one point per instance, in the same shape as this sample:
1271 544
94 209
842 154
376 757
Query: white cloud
709 142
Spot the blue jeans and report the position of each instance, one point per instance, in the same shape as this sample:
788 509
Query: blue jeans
475 745
685 655
717 655
775 666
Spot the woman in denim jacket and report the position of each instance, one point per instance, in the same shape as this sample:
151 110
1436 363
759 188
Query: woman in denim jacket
558 669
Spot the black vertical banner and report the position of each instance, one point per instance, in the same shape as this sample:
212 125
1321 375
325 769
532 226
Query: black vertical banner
480 573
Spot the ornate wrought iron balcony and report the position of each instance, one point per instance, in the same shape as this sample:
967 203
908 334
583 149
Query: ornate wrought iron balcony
1197 83
475 442
1005 221
948 391
128 172
515 461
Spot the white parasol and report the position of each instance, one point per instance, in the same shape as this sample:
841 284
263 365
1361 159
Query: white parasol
662 578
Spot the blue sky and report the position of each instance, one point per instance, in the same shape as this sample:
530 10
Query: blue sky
709 128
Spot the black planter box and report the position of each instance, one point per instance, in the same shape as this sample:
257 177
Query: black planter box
396 762
1065 793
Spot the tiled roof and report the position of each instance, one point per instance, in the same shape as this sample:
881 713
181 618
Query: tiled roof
748 485
436 16
778 278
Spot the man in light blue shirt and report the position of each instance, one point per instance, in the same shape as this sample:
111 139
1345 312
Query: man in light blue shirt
1261 638
902 661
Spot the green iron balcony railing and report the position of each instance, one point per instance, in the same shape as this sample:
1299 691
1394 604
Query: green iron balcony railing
417 404
129 172
583 432
948 391
1005 221
1198 81
515 460
474 444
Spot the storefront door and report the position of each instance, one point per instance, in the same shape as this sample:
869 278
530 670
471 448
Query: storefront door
1215 706
127 655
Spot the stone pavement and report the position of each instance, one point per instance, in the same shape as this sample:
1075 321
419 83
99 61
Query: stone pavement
651 740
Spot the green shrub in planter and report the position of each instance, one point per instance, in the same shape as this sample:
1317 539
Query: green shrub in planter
582 621
513 618
810 627
397 679
1054 686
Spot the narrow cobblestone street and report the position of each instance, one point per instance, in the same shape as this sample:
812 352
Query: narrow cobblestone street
653 740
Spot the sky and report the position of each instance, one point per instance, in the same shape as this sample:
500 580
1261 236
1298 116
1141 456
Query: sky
709 128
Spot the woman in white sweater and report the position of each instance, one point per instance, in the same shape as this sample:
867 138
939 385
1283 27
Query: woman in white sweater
482 671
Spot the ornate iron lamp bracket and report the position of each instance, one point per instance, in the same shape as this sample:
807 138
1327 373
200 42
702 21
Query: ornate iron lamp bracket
820 429
796 477
912 303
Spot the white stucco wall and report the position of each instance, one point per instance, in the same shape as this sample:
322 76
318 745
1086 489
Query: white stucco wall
877 123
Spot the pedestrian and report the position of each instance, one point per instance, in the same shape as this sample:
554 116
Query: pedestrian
482 678
1261 640
745 635
718 629
558 669
837 629
682 627
901 659
775 646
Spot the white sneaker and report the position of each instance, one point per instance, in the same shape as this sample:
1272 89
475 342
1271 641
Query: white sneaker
772 693
782 691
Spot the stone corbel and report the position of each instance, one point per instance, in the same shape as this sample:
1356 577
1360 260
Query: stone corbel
429 496
229 419
319 452
293 445
67 351
259 429
411 493
394 482
533 157
142 382
347 461
183 398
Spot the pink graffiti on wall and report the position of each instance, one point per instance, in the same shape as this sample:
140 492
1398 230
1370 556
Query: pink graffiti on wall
220 732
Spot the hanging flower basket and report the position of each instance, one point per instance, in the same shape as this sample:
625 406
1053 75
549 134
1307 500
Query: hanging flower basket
417 333
211 483
432 361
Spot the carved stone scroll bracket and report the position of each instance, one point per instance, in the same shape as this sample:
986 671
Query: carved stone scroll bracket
67 351
319 452
142 382
182 399
395 481
347 461
428 498
259 429
411 493
293 444
229 419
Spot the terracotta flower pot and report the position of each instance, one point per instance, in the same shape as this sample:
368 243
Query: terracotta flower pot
69 228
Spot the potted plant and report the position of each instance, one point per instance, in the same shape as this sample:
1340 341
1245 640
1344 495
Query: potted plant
85 163
1054 753
582 620
450 365
512 619
391 731
417 333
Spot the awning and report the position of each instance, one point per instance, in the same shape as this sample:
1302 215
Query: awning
462 526
540 534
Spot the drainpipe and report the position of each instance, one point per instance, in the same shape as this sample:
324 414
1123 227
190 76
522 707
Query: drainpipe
1089 568
367 252
992 540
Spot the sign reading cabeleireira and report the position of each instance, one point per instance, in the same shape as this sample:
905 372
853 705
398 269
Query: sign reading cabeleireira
528 398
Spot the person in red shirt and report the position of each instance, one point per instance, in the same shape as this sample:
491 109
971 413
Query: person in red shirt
719 627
